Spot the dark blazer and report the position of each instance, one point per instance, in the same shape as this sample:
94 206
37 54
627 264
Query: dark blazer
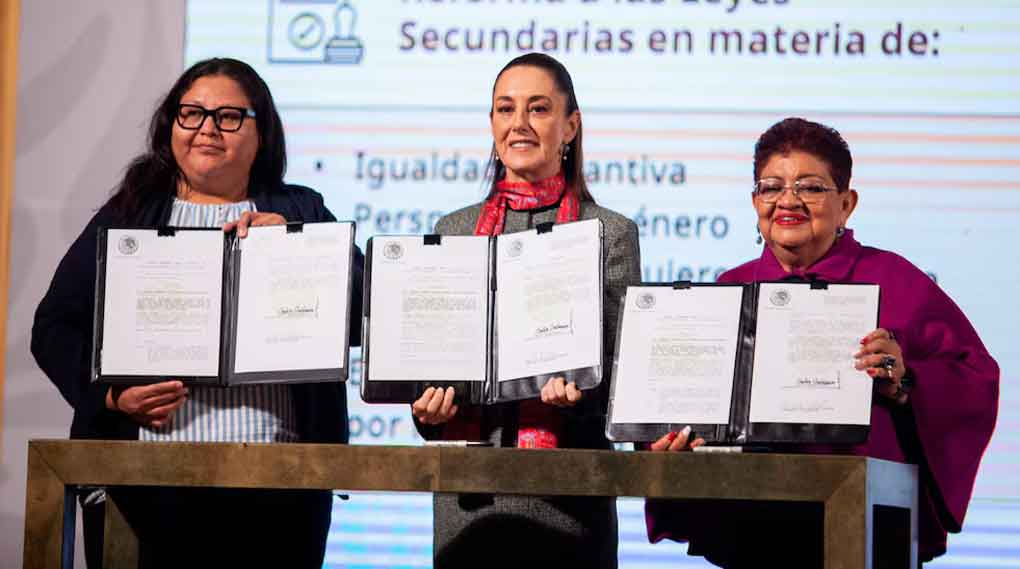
62 332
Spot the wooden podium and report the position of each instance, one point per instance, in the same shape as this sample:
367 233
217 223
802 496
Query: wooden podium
851 488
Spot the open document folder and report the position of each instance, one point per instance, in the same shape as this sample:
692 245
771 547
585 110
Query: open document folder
493 317
759 363
206 307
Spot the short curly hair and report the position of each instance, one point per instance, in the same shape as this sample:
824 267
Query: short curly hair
816 139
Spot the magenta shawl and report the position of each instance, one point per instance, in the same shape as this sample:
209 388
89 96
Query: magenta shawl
953 406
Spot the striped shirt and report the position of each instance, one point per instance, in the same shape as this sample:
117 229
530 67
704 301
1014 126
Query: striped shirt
247 413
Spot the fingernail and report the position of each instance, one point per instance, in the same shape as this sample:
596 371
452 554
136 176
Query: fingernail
672 435
687 430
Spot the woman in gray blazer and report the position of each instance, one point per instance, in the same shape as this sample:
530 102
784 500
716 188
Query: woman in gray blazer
537 177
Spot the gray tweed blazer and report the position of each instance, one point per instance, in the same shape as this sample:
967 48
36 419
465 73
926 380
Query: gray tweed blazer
585 426
526 531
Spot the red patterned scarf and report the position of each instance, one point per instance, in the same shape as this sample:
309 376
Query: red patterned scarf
538 424
524 196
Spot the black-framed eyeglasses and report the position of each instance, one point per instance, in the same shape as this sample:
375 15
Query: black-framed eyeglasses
768 190
227 119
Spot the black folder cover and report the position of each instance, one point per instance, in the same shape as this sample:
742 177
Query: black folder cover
232 259
739 430
486 390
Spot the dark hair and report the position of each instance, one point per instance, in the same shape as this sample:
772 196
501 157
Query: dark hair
155 173
573 165
816 139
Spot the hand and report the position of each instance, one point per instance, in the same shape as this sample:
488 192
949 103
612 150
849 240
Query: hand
558 392
253 219
435 406
677 440
149 405
882 357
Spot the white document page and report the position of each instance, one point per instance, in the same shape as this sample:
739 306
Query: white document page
292 305
803 356
677 355
428 317
161 311
548 300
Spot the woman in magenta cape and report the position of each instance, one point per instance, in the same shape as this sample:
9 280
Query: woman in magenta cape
935 406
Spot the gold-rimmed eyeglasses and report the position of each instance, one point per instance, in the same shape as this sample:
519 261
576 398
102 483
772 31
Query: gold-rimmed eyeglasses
768 190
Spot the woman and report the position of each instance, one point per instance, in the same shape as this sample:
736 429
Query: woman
537 177
215 157
943 425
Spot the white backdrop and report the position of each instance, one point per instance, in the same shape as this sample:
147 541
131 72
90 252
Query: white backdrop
674 94
394 141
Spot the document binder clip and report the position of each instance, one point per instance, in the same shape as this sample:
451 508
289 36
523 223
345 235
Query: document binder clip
739 436
544 227
166 231
681 285
295 226
819 285
433 239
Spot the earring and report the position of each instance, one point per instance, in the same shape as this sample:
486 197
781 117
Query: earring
840 231
566 150
758 231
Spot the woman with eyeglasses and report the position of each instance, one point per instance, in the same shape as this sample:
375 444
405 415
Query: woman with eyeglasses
935 386
215 158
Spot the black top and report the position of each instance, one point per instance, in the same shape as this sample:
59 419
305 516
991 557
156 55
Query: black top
62 331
